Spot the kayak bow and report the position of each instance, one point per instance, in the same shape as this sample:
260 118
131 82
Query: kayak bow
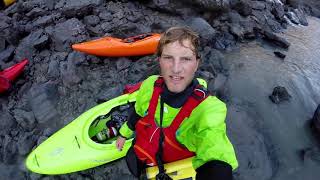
10 74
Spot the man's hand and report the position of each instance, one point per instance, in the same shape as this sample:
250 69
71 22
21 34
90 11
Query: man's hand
120 142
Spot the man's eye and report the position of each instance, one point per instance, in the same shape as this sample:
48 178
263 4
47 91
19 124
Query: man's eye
166 57
186 59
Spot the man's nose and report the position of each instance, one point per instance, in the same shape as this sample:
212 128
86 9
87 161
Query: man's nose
176 66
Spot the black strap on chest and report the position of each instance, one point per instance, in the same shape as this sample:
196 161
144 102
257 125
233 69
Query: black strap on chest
162 174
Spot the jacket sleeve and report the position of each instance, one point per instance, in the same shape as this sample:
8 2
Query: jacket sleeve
210 138
128 127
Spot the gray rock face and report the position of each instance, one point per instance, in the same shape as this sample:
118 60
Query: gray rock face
277 40
28 45
201 26
301 16
66 33
42 101
72 8
8 150
25 119
211 4
92 20
7 122
68 71
6 54
25 143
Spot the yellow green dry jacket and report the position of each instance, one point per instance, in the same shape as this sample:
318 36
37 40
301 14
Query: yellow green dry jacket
204 132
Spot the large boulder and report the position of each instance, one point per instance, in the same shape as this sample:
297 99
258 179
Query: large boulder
201 26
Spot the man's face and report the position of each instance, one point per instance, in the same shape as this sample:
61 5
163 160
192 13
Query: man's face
178 63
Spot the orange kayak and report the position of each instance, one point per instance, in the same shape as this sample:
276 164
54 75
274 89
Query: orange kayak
143 44
10 74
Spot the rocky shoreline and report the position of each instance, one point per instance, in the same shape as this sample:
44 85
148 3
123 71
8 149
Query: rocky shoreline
59 84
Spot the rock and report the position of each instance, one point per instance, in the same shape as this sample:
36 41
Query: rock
25 143
41 42
9 150
316 121
44 20
92 20
161 2
68 71
106 16
36 39
218 83
106 95
293 17
25 119
311 153
212 60
258 5
243 7
201 26
126 30
294 3
212 5
315 12
77 8
206 75
42 99
224 41
301 16
95 31
278 12
274 25
53 70
279 95
35 12
2 43
66 33
279 54
7 54
6 122
237 30
123 63
275 39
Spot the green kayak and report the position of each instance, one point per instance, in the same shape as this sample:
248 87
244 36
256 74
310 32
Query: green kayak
73 149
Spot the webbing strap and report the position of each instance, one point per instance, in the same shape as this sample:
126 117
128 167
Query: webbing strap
155 96
197 96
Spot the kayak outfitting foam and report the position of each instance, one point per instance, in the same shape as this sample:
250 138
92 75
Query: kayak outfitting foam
10 74
181 169
73 149
5 3
143 44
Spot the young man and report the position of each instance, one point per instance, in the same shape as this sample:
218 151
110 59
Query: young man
176 118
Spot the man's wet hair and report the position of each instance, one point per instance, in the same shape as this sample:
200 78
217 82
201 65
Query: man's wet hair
180 34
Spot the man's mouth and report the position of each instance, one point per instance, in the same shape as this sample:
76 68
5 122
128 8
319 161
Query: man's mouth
176 78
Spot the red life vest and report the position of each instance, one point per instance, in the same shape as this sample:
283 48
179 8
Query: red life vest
148 133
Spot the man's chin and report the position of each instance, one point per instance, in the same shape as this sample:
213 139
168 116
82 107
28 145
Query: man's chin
175 89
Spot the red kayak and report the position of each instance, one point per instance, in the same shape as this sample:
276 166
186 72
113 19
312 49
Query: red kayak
10 74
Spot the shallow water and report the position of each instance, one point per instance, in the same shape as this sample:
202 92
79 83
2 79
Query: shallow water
268 138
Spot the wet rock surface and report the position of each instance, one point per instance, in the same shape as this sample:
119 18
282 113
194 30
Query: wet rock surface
59 84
